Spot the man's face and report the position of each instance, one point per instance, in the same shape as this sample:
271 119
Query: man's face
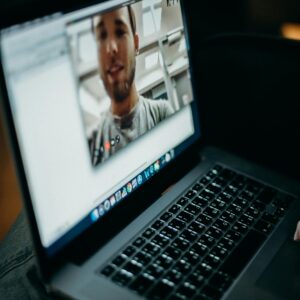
117 46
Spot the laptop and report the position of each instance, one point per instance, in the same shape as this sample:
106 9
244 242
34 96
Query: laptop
123 198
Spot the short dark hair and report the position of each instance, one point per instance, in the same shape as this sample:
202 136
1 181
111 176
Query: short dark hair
132 20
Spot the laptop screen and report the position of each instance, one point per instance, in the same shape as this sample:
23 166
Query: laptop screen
101 100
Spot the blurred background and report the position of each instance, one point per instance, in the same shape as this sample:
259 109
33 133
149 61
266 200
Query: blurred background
271 18
279 18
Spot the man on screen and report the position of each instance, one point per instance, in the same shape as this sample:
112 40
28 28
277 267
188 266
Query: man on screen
130 115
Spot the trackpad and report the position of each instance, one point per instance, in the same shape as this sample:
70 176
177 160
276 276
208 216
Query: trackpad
282 275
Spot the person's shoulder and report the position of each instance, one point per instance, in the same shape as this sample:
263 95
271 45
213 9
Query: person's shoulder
157 109
161 105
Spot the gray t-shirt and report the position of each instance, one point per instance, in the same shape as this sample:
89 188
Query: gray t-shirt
116 132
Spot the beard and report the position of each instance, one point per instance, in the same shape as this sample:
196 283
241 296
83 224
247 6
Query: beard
120 90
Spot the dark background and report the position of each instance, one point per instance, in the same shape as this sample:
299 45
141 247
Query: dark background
248 76
248 79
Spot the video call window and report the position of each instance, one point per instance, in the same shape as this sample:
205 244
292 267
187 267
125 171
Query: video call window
132 71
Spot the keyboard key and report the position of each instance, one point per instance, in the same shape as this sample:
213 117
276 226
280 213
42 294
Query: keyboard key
148 233
192 209
190 194
142 258
129 251
161 290
169 232
225 197
201 202
182 201
164 261
176 297
271 209
249 196
252 212
241 202
186 290
189 235
212 261
155 271
157 224
141 284
108 270
234 209
210 292
205 180
213 188
197 187
133 267
226 244
220 182
220 281
228 217
241 178
173 252
160 240
204 270
271 218
264 227
239 227
214 232
185 217
199 249
247 220
211 212
177 224
197 227
228 174
283 201
207 240
192 257
212 174
200 297
238 259
182 266
221 225
219 252
174 276
280 212
174 209
232 235
122 278
119 260
218 169
180 244
166 216
151 249
258 205
218 204
231 190
207 195
139 242
252 188
196 278
204 219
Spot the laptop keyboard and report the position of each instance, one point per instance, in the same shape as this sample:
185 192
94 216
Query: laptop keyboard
199 245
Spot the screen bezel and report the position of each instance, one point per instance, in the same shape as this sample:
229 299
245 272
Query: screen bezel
130 208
